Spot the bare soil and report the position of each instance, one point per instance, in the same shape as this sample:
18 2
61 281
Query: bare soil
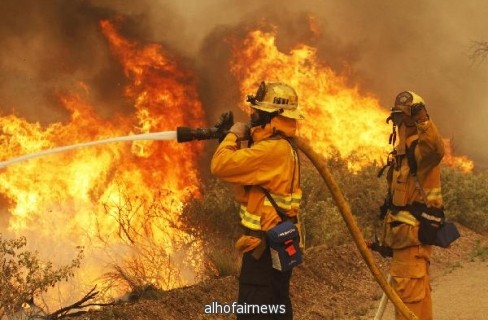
333 283
459 282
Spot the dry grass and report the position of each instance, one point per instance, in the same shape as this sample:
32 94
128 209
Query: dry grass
466 197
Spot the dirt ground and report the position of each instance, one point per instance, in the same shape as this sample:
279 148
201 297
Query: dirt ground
333 283
462 293
459 293
459 282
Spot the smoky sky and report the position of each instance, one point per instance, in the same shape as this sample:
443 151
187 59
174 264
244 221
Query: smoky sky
385 47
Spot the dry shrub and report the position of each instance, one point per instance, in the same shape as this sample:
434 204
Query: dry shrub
466 197
154 252
214 219
24 276
363 190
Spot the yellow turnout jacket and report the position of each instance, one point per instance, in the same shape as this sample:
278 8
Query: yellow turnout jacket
428 155
270 162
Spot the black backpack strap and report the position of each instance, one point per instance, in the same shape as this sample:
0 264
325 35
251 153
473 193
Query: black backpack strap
282 214
412 163
296 165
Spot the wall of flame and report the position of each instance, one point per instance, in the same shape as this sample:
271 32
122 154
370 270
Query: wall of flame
123 201
120 201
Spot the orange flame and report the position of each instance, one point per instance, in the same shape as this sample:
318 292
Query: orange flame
122 199
338 117
122 196
461 163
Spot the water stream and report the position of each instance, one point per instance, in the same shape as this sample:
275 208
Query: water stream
164 135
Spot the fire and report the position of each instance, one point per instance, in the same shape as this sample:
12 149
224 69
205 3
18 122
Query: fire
118 200
338 117
123 201
462 163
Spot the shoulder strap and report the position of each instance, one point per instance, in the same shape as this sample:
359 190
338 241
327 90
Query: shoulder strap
280 212
273 202
412 163
294 147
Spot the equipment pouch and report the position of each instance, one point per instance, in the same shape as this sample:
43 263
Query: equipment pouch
433 228
284 244
431 220
447 234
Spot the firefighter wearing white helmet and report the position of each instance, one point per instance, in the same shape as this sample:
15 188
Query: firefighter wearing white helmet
414 191
270 163
277 98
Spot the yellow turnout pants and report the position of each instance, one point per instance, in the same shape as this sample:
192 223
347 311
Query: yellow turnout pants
411 281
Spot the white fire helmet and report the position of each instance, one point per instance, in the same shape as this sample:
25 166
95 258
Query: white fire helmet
404 102
276 96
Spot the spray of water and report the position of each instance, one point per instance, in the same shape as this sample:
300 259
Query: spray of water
164 135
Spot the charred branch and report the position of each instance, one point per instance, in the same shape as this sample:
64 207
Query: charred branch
80 304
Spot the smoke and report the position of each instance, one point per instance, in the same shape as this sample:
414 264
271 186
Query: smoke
384 48
51 47
425 47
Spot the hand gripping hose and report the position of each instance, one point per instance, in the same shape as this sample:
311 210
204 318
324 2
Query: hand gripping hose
319 163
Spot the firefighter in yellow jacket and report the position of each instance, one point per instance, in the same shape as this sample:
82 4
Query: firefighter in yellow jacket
270 162
414 188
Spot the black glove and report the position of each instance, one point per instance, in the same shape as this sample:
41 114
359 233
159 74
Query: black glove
226 121
385 252
375 245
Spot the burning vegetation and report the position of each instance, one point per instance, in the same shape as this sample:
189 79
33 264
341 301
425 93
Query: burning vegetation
123 202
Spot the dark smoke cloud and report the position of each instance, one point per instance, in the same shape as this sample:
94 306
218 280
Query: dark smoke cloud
385 47
50 47
389 47
423 46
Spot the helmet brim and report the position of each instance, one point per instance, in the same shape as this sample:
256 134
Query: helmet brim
288 113
400 109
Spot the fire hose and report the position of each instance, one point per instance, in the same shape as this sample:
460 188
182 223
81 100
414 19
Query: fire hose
185 134
351 224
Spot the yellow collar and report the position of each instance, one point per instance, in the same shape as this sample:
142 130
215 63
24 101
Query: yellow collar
278 125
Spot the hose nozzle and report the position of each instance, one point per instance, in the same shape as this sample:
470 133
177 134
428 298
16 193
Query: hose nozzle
185 134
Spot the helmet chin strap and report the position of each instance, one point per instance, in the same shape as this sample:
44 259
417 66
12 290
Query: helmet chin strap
393 136
399 130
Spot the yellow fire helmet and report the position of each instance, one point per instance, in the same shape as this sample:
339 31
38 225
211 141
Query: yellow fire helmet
276 96
404 102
